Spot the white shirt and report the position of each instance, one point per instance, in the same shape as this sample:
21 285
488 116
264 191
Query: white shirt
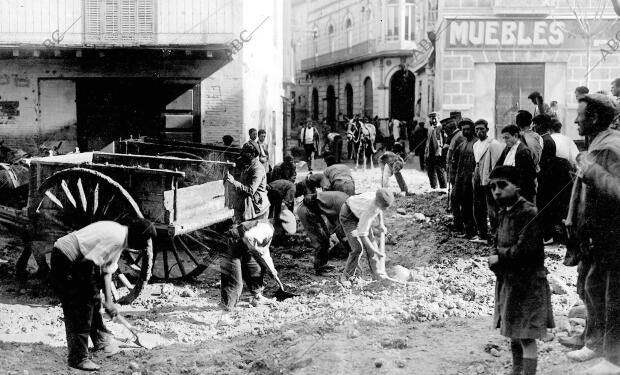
364 208
101 242
480 147
510 157
308 134
565 147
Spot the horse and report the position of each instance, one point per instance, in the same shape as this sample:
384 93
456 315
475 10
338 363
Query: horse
365 141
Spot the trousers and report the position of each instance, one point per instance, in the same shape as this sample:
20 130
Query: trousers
387 173
376 261
602 292
309 151
436 172
319 237
463 205
237 266
78 286
484 208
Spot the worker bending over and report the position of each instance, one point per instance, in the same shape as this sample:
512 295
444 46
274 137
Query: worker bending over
391 165
81 262
356 217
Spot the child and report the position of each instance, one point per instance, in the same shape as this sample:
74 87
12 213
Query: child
522 296
80 261
356 216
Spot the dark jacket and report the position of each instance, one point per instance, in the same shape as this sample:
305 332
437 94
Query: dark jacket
522 295
524 162
452 153
283 171
465 162
420 135
597 200
251 198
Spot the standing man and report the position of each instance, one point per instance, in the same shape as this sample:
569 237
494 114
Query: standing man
451 155
420 136
436 140
463 186
549 183
253 141
486 154
309 139
319 214
337 177
264 153
83 261
516 154
392 164
595 205
251 201
531 139
352 129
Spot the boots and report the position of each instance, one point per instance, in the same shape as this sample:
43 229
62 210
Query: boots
517 357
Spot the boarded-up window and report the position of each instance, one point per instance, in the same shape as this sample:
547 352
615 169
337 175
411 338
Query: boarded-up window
124 22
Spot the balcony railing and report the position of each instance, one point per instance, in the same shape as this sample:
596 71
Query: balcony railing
540 7
116 22
357 51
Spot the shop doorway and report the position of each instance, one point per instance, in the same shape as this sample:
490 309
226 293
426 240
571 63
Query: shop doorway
402 95
513 84
315 104
331 105
349 94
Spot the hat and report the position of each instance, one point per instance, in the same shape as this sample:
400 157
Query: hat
506 172
432 114
602 100
446 120
287 221
384 198
466 120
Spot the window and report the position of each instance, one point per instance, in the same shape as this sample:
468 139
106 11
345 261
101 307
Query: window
348 26
119 21
315 32
332 39
410 24
392 22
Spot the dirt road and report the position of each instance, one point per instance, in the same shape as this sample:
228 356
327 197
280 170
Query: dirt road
440 324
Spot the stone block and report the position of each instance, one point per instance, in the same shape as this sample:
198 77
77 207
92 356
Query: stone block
447 74
451 62
451 87
467 87
461 74
461 99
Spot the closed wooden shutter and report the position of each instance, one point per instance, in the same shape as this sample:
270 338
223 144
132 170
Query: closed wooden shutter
121 22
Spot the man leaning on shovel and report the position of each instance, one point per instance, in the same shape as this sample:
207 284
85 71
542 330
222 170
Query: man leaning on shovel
81 262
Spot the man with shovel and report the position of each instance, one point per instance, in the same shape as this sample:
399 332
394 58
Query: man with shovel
81 262
356 217
247 260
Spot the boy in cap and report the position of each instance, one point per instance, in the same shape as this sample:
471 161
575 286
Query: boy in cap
356 217
391 165
82 262
522 295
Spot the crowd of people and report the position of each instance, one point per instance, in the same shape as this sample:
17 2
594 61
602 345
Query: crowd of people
533 189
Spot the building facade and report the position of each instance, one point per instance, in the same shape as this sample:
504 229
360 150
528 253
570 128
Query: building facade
90 72
365 57
493 53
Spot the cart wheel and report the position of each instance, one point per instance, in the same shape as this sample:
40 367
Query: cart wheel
73 198
186 256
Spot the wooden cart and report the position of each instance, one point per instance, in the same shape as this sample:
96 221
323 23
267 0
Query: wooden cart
183 197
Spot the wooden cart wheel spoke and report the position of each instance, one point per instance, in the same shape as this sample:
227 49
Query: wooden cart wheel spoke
65 188
82 194
107 206
178 259
95 199
188 252
53 198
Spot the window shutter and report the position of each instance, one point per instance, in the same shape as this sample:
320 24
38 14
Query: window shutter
122 22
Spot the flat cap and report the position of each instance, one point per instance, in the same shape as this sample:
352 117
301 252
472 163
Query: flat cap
447 120
466 120
432 114
506 172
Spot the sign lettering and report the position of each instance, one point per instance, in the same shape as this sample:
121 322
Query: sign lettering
510 34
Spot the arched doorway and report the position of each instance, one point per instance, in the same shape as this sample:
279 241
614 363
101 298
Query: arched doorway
331 105
315 104
368 97
348 90
402 95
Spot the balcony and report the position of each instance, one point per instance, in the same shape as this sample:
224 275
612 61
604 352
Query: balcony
115 23
524 7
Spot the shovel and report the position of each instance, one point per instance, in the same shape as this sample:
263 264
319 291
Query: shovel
265 258
145 340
